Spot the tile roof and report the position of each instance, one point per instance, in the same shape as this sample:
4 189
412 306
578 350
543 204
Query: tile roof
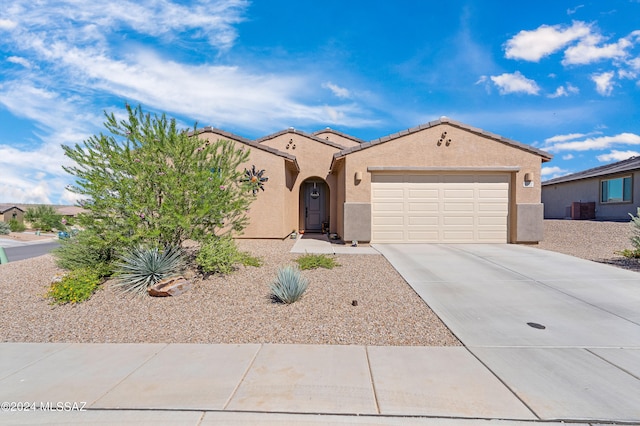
444 120
336 132
301 133
628 165
6 207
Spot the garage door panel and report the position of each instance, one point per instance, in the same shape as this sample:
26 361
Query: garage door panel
423 193
422 207
388 207
389 193
493 207
459 193
458 220
388 220
458 207
423 220
441 208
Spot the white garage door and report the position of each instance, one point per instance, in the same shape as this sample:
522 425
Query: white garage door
439 208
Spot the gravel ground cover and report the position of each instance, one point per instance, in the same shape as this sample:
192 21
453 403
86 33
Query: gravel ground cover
230 309
237 308
593 240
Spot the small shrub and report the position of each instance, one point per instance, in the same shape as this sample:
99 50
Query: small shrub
630 254
221 255
635 237
5 228
142 267
247 259
289 285
74 287
16 226
85 249
314 261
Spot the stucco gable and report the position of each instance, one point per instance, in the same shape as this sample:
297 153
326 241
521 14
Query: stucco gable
300 133
444 120
629 165
253 144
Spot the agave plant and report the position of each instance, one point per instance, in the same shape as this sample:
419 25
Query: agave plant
142 267
289 285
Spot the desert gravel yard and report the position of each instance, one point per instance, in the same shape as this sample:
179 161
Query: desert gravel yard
592 240
230 309
237 308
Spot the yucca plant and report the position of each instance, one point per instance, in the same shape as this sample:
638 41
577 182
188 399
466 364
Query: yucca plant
289 285
142 267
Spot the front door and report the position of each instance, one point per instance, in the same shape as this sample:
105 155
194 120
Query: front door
314 206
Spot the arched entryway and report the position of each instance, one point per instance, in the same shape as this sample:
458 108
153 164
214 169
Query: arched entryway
314 205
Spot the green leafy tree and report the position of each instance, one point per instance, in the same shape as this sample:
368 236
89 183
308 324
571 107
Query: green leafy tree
44 217
147 182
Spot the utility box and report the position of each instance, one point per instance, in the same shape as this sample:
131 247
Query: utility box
583 211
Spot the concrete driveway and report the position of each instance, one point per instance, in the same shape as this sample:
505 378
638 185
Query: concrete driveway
561 332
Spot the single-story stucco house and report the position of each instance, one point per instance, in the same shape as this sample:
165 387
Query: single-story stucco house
11 211
443 181
611 192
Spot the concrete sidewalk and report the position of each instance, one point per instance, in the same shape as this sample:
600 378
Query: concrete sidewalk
321 244
202 384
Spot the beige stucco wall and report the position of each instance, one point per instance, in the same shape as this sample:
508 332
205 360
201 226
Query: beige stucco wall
333 137
465 150
557 198
314 159
268 212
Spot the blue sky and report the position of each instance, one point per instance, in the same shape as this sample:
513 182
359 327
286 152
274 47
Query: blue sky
562 76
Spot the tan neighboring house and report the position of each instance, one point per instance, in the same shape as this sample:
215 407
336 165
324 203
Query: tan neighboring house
10 211
442 182
609 192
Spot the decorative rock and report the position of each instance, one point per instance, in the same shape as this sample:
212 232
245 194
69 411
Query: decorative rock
173 286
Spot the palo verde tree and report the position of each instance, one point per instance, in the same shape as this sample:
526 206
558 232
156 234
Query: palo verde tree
149 182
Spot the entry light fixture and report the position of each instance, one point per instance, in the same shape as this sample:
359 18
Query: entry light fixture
528 180
358 176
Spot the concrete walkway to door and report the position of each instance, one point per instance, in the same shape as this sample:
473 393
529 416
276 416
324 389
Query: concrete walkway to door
561 332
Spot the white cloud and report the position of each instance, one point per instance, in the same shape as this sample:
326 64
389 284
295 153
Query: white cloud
568 137
338 91
592 143
568 157
588 51
515 83
567 90
543 41
617 155
6 24
574 10
20 61
552 172
604 82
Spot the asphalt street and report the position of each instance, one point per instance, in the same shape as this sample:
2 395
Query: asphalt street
27 251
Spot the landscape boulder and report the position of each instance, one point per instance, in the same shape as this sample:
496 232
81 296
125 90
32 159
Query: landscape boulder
173 286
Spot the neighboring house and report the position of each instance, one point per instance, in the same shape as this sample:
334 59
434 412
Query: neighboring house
11 211
70 211
440 182
613 190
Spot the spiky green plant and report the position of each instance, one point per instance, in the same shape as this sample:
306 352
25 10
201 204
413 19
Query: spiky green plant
5 228
142 267
289 285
